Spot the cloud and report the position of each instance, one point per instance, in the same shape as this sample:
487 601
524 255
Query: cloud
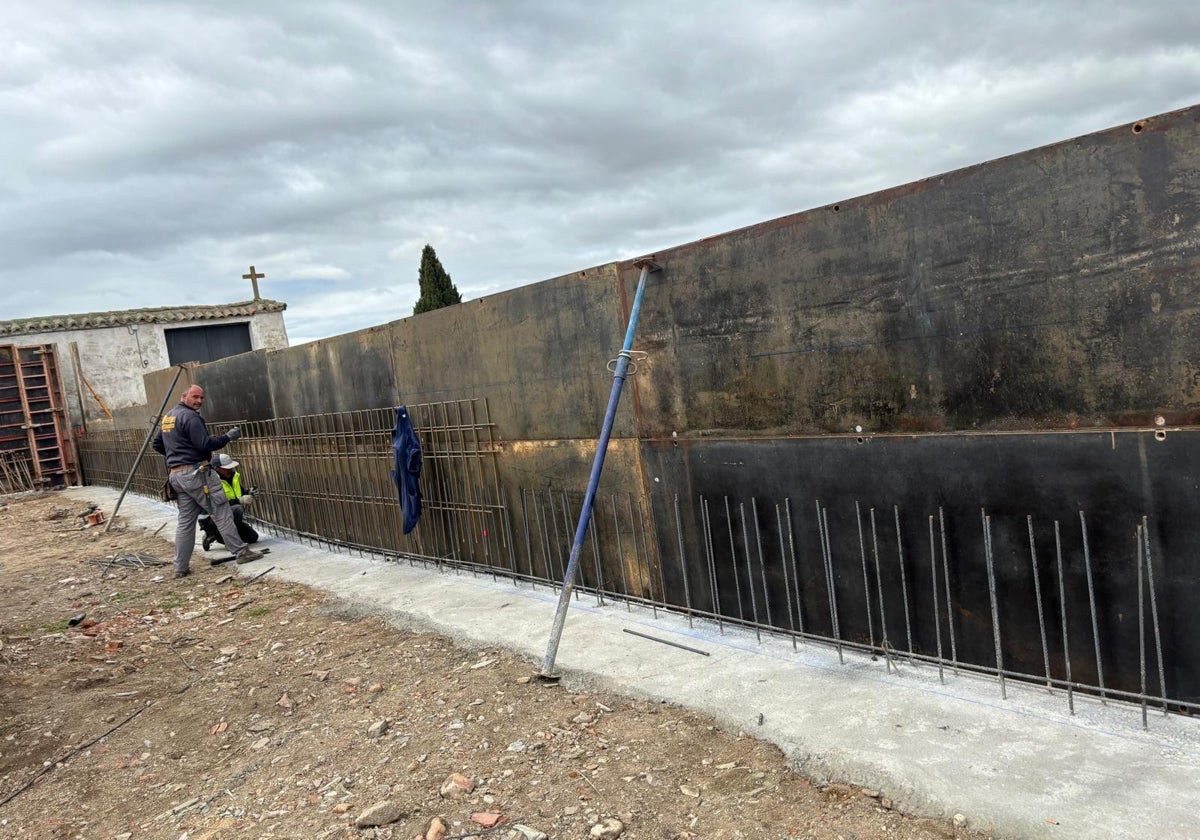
154 151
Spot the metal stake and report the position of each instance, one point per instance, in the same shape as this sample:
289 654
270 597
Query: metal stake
1162 683
837 629
737 582
1087 566
1062 606
141 452
887 655
712 565
621 553
903 582
862 551
783 566
787 505
1037 592
762 566
749 572
1137 540
687 592
599 569
946 583
937 619
987 553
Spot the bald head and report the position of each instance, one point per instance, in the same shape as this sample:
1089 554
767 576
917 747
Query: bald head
193 397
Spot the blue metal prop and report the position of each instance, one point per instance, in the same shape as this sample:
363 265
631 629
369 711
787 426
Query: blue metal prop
620 371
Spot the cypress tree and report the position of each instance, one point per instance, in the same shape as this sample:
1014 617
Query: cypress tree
437 290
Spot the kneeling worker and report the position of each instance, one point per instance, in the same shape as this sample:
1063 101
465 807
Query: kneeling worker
239 500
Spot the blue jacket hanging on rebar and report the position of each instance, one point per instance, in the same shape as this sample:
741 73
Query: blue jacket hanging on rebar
406 449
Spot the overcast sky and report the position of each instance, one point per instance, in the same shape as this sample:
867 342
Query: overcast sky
151 151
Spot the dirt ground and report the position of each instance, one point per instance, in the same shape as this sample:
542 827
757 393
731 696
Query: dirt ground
215 707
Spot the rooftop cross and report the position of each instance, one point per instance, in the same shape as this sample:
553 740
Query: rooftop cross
254 277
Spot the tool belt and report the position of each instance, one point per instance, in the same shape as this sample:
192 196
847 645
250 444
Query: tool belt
192 467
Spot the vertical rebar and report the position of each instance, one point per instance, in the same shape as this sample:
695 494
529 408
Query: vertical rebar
787 588
566 530
528 541
862 552
550 520
599 568
946 583
621 553
937 619
833 606
1162 683
787 506
643 590
1037 592
646 554
987 554
1087 567
512 551
1137 539
481 486
301 479
568 515
749 571
544 540
762 564
662 582
377 469
687 592
552 516
733 564
712 565
903 582
337 480
460 527
887 648
1062 606
471 524
436 457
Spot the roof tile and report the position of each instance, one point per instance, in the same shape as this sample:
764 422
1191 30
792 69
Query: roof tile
124 317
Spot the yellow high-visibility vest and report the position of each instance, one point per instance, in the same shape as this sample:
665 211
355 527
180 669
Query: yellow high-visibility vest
233 491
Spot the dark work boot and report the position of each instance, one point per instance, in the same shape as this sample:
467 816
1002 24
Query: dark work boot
249 555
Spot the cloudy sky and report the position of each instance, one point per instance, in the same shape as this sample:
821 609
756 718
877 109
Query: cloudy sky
151 151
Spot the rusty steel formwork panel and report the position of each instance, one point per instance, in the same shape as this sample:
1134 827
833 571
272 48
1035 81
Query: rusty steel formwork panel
1051 289
36 448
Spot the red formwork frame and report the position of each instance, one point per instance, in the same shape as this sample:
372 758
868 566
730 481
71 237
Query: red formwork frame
34 423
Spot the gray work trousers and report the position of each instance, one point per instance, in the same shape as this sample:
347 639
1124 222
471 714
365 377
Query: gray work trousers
193 501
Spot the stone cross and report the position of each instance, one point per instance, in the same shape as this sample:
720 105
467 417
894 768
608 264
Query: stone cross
254 277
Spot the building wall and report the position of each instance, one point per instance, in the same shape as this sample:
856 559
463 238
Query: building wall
267 331
114 360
